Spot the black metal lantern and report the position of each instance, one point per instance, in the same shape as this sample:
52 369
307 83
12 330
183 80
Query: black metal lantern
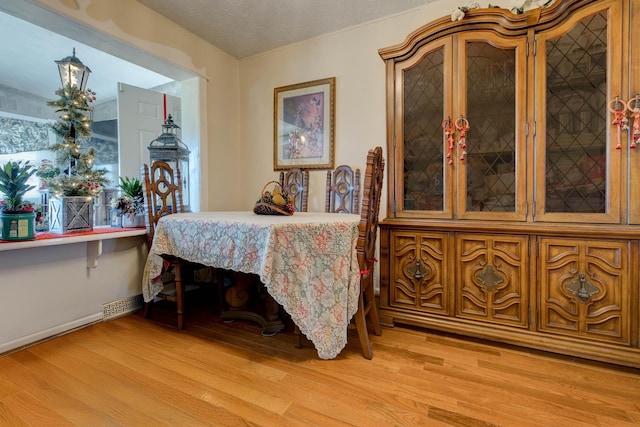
168 148
73 72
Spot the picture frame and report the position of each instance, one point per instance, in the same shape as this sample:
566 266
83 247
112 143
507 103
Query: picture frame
304 116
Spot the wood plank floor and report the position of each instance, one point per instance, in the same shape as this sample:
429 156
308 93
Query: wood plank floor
142 372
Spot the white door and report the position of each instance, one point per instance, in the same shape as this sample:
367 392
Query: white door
140 117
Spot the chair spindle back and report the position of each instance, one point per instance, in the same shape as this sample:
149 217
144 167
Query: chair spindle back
343 190
163 193
296 183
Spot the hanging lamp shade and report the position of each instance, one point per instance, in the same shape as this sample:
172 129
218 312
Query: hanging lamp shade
73 72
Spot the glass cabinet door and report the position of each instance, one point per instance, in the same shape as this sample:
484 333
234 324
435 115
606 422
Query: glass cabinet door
579 154
490 125
463 132
423 94
634 90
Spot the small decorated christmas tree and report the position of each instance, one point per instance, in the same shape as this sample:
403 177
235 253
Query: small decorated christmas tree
75 173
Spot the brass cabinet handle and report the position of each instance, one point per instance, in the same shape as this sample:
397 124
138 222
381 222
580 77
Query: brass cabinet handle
489 277
418 269
582 288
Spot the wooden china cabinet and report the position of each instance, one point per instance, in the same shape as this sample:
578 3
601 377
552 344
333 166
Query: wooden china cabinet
514 180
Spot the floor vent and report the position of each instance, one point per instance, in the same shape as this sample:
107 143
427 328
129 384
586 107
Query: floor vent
122 307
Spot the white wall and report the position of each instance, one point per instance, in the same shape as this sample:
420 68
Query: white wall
49 290
351 56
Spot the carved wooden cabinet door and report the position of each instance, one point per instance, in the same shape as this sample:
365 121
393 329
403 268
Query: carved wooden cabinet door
492 279
583 289
420 278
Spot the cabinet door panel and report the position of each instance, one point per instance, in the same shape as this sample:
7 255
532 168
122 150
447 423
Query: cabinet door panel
423 97
419 274
578 74
491 97
585 289
492 279
634 91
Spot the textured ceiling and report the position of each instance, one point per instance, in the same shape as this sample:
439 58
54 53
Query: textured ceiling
244 28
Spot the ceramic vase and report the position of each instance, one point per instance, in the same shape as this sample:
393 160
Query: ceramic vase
136 221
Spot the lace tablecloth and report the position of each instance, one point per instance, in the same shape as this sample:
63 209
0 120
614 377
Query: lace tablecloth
307 262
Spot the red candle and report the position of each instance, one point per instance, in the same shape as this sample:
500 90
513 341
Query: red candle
164 99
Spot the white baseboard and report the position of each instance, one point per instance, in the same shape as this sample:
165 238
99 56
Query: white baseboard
109 311
29 340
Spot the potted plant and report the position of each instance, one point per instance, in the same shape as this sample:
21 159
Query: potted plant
130 204
17 216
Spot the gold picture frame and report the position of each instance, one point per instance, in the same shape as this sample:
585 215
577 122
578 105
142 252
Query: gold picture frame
304 116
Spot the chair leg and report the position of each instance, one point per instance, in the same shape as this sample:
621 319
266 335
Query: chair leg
372 310
220 283
147 309
297 336
361 326
179 293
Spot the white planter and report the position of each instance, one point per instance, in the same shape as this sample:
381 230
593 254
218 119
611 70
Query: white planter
136 221
70 214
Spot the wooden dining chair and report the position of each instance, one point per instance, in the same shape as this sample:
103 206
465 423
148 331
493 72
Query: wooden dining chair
163 196
343 190
296 183
366 250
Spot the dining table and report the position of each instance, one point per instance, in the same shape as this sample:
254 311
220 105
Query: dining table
307 262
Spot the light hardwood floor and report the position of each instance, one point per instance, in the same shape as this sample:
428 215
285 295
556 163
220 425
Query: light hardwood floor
142 372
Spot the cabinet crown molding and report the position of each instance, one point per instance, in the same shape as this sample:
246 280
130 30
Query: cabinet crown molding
498 20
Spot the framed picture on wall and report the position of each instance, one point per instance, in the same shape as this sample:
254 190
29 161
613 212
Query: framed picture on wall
304 115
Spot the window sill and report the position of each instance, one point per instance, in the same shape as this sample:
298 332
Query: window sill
93 238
